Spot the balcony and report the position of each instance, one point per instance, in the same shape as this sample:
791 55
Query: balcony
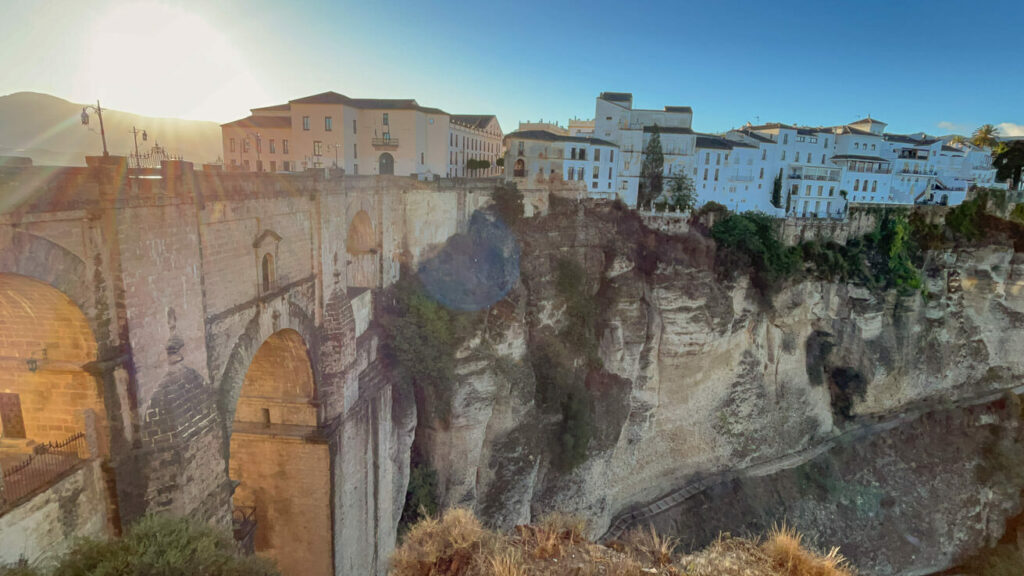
916 172
868 170
386 142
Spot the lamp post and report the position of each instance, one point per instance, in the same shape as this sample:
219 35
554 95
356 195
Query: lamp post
135 134
85 122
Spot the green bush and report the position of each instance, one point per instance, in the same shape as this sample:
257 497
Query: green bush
158 546
750 239
421 495
508 204
1017 214
423 337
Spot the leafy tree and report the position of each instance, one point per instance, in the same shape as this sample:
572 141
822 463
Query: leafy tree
1009 162
652 170
681 193
777 191
749 241
159 545
985 136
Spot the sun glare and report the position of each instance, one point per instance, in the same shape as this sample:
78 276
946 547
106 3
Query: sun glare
157 59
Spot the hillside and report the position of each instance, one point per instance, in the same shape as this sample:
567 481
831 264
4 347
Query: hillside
49 130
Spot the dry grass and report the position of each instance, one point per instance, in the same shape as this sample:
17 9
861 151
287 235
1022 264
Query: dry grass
785 551
650 546
457 545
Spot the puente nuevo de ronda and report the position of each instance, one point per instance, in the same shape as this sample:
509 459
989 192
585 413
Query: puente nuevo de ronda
202 343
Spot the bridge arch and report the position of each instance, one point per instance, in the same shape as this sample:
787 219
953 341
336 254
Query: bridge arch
279 462
47 393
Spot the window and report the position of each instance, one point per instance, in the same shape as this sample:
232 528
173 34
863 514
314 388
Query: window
597 154
594 185
284 146
572 172
259 143
822 159
273 146
783 155
355 168
826 143
764 154
856 185
579 175
785 138
718 160
268 272
245 145
305 122
872 146
761 174
820 190
583 153
451 140
234 162
573 153
232 143
797 157
421 158
831 190
716 174
808 190
705 173
353 126
273 166
328 123
385 118
355 150
611 155
856 145
707 157
597 171
609 172
874 186
287 166
318 148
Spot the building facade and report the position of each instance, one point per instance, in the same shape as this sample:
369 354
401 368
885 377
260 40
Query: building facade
362 136
539 158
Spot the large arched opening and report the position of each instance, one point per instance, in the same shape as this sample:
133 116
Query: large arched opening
279 462
386 164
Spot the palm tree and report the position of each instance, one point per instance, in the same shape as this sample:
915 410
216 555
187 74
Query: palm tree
958 140
985 136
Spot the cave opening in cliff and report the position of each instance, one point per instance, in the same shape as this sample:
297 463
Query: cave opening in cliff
279 463
46 394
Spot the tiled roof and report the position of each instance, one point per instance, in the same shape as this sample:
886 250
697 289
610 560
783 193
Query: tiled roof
478 121
901 138
719 143
276 108
869 120
684 109
668 130
769 126
545 136
617 96
262 122
859 157
367 103
756 136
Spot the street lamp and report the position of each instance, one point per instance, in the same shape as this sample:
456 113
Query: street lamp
85 122
135 134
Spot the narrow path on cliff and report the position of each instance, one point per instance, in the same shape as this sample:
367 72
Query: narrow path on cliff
880 423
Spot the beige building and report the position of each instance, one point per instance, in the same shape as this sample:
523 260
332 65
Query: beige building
474 137
360 135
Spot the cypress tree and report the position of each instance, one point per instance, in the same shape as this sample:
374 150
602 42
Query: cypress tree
652 170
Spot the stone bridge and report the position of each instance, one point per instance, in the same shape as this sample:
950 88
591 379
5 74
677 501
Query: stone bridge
218 330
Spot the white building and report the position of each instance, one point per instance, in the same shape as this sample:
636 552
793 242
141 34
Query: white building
473 137
540 158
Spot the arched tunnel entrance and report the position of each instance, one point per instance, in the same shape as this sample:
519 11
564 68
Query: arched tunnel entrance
46 394
279 462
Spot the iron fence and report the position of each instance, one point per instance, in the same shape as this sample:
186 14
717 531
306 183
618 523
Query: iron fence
47 464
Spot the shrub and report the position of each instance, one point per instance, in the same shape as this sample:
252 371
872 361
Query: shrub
159 545
449 545
786 554
508 204
752 239
421 496
1017 214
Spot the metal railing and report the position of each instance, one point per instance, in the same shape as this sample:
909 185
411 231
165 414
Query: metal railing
47 464
385 142
243 527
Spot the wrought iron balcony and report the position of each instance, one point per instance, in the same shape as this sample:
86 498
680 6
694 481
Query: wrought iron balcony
243 527
385 142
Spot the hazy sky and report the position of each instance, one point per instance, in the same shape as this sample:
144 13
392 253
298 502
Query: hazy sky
934 66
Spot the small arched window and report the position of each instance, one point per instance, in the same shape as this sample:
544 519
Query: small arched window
269 274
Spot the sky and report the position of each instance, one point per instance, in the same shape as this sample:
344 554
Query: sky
922 66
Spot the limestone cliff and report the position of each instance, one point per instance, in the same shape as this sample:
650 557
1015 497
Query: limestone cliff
701 378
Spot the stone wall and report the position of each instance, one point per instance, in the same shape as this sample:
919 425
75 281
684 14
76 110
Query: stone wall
44 528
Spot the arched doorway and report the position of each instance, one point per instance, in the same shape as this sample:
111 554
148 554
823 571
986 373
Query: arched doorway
387 164
279 462
520 169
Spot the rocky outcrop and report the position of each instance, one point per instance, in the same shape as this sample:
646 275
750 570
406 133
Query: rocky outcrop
701 377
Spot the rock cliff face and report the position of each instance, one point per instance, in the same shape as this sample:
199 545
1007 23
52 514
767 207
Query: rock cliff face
701 377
